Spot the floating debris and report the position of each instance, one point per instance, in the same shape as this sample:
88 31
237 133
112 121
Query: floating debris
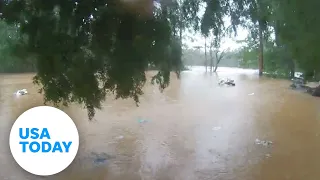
228 82
216 128
268 155
120 137
263 142
251 94
21 92
100 158
164 144
298 82
142 120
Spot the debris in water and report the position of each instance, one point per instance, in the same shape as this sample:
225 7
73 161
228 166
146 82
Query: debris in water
268 155
228 82
251 94
263 142
142 121
216 128
164 144
21 92
119 137
100 158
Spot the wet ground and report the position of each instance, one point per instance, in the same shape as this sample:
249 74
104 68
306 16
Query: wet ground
194 130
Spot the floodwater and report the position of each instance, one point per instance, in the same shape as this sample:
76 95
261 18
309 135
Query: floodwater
193 130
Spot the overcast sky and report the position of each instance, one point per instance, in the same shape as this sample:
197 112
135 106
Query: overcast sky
226 42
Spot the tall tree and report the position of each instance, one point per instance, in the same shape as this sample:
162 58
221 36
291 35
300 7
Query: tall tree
216 53
205 53
258 13
86 50
298 30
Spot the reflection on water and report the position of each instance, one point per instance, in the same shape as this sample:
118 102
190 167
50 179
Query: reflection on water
179 140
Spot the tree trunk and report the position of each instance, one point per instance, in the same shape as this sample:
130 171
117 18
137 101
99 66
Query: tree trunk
260 50
218 59
205 52
292 68
211 60
180 33
215 68
276 31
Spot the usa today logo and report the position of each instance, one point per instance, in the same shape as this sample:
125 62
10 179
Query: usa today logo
44 140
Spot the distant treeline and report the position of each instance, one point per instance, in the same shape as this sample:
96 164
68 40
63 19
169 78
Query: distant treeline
245 57
194 57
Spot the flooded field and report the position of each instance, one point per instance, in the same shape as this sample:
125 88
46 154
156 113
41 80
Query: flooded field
194 130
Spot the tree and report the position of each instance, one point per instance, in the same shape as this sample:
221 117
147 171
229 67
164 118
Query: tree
215 47
86 50
8 61
205 53
258 13
298 31
218 56
275 62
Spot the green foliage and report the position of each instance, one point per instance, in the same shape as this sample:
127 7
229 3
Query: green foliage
299 30
86 50
9 40
276 61
294 25
249 59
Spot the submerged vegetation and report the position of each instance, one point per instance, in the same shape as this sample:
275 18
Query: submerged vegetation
75 46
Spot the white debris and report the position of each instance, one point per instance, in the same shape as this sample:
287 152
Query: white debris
21 92
119 137
251 94
268 155
216 128
263 142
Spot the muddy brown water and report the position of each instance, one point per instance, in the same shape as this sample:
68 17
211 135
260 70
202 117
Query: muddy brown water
195 130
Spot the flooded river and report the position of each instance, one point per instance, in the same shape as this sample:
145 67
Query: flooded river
194 130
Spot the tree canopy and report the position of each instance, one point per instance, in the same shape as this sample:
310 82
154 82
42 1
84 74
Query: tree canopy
85 50
9 40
